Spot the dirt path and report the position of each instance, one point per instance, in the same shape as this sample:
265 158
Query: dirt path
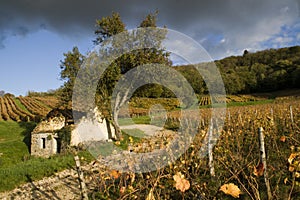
149 130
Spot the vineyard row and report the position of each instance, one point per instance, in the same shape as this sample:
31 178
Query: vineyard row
27 108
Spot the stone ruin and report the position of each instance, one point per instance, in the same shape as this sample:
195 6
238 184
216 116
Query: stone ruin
46 142
44 139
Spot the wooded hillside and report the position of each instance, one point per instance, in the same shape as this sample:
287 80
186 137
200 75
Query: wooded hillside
262 71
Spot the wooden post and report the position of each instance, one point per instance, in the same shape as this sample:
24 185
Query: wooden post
291 113
263 160
81 179
272 114
210 149
272 118
240 118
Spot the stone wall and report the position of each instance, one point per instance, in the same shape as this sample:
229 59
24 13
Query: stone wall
50 125
43 139
90 130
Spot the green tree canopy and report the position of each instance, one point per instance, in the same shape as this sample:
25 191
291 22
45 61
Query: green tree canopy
69 69
107 27
128 60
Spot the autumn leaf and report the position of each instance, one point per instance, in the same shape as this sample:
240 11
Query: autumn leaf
282 138
180 182
231 189
291 168
259 170
292 157
115 174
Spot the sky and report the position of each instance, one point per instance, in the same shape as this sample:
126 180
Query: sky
34 34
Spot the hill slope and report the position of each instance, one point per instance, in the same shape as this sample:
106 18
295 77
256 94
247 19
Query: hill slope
268 70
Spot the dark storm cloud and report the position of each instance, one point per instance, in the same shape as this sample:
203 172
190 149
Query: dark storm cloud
220 25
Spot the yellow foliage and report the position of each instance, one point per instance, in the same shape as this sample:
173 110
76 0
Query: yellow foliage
231 189
180 182
150 196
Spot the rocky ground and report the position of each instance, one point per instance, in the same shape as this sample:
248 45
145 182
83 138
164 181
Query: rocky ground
63 185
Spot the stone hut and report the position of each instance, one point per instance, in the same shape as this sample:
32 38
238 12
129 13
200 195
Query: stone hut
91 128
44 140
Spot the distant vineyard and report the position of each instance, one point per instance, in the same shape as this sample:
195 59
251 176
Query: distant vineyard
207 100
25 108
141 106
50 101
35 108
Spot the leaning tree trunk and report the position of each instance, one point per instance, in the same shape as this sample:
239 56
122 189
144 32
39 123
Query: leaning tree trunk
117 105
108 129
116 125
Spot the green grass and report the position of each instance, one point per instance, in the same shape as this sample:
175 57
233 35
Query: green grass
130 137
14 141
135 133
247 103
16 164
125 121
137 120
